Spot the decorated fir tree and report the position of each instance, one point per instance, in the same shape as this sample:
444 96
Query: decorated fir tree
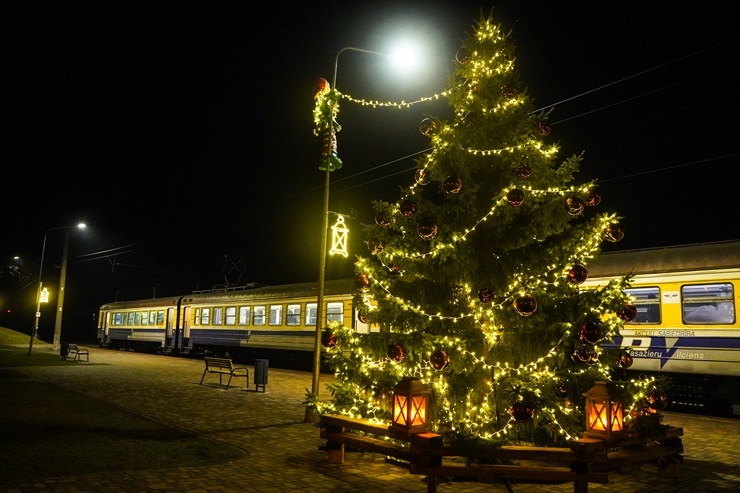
474 276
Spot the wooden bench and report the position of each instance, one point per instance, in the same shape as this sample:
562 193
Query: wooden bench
78 353
224 366
586 461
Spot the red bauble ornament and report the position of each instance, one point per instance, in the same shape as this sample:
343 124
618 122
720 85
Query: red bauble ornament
485 295
515 197
593 357
439 359
381 219
452 184
561 390
396 352
577 274
328 339
375 246
525 305
543 128
593 199
362 317
428 127
427 229
322 86
362 282
521 412
408 208
580 355
625 360
613 233
590 333
629 312
508 91
393 267
657 400
422 176
522 171
462 56
574 205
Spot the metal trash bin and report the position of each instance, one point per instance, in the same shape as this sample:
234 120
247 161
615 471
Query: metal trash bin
260 373
64 350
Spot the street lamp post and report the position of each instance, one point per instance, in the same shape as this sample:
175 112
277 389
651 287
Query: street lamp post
35 330
324 240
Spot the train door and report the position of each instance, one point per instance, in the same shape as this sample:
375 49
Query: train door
171 337
103 323
184 329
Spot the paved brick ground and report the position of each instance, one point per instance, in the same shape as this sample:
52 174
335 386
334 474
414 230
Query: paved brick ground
283 452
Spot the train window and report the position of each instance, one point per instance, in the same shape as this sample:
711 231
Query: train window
218 316
244 315
647 302
230 315
196 318
130 318
335 312
259 315
152 317
160 317
276 314
293 315
144 318
708 304
310 313
205 316
117 319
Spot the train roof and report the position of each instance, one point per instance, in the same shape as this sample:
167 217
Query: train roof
297 290
694 257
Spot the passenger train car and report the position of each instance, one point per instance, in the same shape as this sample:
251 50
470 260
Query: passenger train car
242 322
686 325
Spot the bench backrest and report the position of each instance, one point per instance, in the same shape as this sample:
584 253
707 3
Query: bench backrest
219 362
72 346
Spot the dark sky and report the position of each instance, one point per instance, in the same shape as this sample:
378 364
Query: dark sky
182 133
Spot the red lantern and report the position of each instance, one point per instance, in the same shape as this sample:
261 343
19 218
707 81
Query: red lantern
604 411
410 406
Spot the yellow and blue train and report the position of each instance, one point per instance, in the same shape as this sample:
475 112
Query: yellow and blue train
686 324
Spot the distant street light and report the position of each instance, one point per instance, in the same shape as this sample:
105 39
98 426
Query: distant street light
325 225
40 292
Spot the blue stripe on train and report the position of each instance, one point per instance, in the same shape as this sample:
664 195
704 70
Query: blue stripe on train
666 347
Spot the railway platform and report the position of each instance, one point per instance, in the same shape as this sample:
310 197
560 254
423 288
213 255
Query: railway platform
282 453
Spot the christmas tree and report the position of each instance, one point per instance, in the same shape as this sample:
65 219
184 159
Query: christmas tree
474 276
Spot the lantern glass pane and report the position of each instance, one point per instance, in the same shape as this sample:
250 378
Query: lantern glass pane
616 416
418 410
597 416
399 409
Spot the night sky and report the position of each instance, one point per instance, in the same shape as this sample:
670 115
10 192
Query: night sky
182 131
